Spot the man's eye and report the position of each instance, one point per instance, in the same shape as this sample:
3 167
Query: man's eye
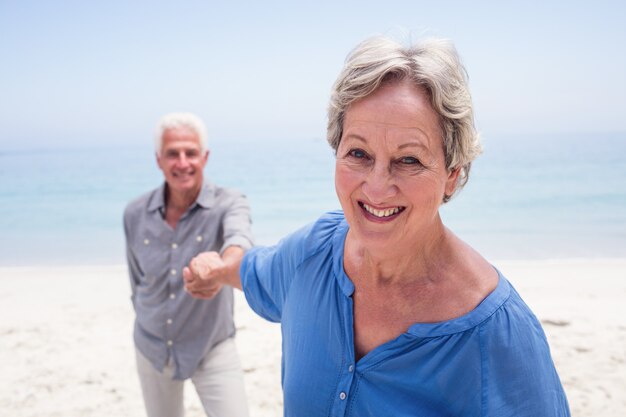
191 154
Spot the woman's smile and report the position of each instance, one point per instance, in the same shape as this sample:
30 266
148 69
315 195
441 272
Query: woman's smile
378 215
390 172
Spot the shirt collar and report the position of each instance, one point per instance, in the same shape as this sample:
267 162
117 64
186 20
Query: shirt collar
157 199
205 199
339 240
480 313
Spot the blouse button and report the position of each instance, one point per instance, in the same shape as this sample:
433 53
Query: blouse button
342 395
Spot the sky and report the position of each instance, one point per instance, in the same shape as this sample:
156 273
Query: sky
76 73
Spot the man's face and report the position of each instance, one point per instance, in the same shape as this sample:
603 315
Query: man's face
182 160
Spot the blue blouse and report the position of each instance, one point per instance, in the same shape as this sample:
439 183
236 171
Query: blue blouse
493 361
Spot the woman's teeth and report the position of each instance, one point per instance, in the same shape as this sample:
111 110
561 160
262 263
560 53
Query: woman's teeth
381 213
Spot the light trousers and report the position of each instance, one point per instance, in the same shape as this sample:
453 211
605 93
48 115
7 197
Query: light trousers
218 381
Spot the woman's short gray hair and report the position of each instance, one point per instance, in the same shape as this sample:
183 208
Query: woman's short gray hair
432 64
180 120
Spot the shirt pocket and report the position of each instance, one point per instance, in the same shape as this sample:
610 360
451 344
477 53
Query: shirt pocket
152 262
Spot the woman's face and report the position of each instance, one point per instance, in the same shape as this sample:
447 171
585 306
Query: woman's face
390 174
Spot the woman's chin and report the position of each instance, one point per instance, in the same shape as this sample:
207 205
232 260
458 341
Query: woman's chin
377 239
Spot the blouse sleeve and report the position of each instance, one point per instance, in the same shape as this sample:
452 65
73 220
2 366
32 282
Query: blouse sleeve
267 273
519 377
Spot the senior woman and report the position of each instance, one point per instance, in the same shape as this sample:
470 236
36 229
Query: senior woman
384 311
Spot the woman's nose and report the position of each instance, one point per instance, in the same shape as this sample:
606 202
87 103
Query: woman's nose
379 185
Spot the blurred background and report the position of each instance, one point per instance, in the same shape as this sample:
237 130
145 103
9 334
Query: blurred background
82 85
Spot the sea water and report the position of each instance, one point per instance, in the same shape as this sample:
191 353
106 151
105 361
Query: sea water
528 197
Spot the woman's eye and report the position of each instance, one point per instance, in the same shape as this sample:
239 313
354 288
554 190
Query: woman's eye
357 153
409 160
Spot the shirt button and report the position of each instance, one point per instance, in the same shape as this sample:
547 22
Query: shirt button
172 296
146 241
170 343
173 272
199 238
174 245
169 321
342 396
350 368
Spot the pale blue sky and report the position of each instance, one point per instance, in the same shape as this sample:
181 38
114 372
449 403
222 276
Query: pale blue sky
97 73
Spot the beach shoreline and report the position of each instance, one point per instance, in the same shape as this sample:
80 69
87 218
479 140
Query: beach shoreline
66 339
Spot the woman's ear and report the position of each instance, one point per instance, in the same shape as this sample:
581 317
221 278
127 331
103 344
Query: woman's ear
451 182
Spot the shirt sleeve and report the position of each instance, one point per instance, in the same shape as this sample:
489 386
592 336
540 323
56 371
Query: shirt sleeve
236 224
267 273
134 271
519 377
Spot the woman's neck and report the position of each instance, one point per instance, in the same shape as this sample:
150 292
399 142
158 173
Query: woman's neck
422 260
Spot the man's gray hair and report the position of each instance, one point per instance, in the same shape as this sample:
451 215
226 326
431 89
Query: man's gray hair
180 120
431 64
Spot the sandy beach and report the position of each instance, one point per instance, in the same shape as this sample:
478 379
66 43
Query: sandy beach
66 346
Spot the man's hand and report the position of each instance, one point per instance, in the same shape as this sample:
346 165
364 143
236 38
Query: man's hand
205 275
208 272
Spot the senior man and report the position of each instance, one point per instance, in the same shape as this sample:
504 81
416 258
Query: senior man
178 337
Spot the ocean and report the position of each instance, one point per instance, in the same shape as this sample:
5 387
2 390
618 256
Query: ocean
528 197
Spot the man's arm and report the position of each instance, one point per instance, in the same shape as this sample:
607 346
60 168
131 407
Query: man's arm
133 266
236 225
208 272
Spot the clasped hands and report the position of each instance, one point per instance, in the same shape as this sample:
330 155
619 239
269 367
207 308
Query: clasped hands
204 277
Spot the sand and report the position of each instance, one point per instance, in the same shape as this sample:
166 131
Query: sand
66 346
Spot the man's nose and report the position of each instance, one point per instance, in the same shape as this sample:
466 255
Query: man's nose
182 159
